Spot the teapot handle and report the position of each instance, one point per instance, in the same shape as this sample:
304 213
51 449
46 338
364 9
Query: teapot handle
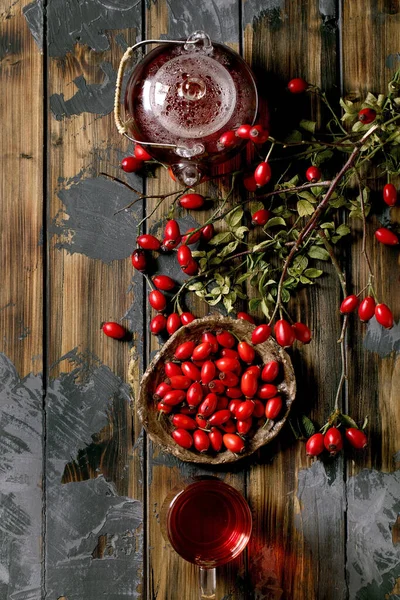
123 126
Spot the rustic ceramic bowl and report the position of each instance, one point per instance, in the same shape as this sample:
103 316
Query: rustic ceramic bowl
158 425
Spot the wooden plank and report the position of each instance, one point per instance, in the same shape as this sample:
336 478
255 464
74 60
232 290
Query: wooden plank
21 306
169 576
93 435
296 535
374 364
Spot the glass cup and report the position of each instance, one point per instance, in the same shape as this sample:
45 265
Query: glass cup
208 523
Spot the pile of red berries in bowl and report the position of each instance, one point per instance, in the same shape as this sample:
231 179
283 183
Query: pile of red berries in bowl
211 396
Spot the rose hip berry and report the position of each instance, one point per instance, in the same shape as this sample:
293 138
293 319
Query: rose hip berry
233 442
270 371
173 323
211 339
225 339
130 164
228 140
201 440
357 438
191 268
194 394
186 318
187 238
227 364
384 316
114 330
219 417
349 304
258 135
246 352
215 437
315 445
297 85
158 324
183 438
163 282
302 332
208 406
190 370
157 300
148 242
244 131
273 407
260 217
367 115
248 385
172 230
139 260
202 351
208 372
389 194
192 201
366 310
333 441
174 397
141 154
172 369
261 334
386 236
284 334
245 317
267 391
183 422
184 256
249 182
262 174
180 382
313 174
207 232
161 390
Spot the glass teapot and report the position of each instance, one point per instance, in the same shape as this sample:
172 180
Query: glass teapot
181 98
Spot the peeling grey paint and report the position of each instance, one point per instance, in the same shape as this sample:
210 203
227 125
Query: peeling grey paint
96 98
321 493
272 10
373 563
86 22
33 14
392 60
381 340
78 514
218 18
20 483
90 225
372 507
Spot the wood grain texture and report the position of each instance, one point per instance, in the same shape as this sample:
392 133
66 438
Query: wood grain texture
374 381
21 193
293 40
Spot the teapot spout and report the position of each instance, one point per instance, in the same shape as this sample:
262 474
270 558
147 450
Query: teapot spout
187 173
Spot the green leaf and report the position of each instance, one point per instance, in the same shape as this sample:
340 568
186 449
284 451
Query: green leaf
240 231
214 301
285 295
318 253
274 222
327 225
307 425
300 263
294 136
338 202
243 277
215 291
228 249
198 253
348 421
235 217
304 207
221 238
305 280
219 279
228 304
254 304
264 307
307 196
256 206
321 157
342 230
193 287
313 273
308 125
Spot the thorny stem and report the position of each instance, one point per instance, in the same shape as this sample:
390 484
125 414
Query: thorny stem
364 221
312 222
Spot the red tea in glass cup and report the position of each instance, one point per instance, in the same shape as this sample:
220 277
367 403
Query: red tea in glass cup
208 523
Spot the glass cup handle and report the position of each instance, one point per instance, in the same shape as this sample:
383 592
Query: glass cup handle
208 584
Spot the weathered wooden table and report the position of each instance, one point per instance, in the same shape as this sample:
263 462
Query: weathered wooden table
80 485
